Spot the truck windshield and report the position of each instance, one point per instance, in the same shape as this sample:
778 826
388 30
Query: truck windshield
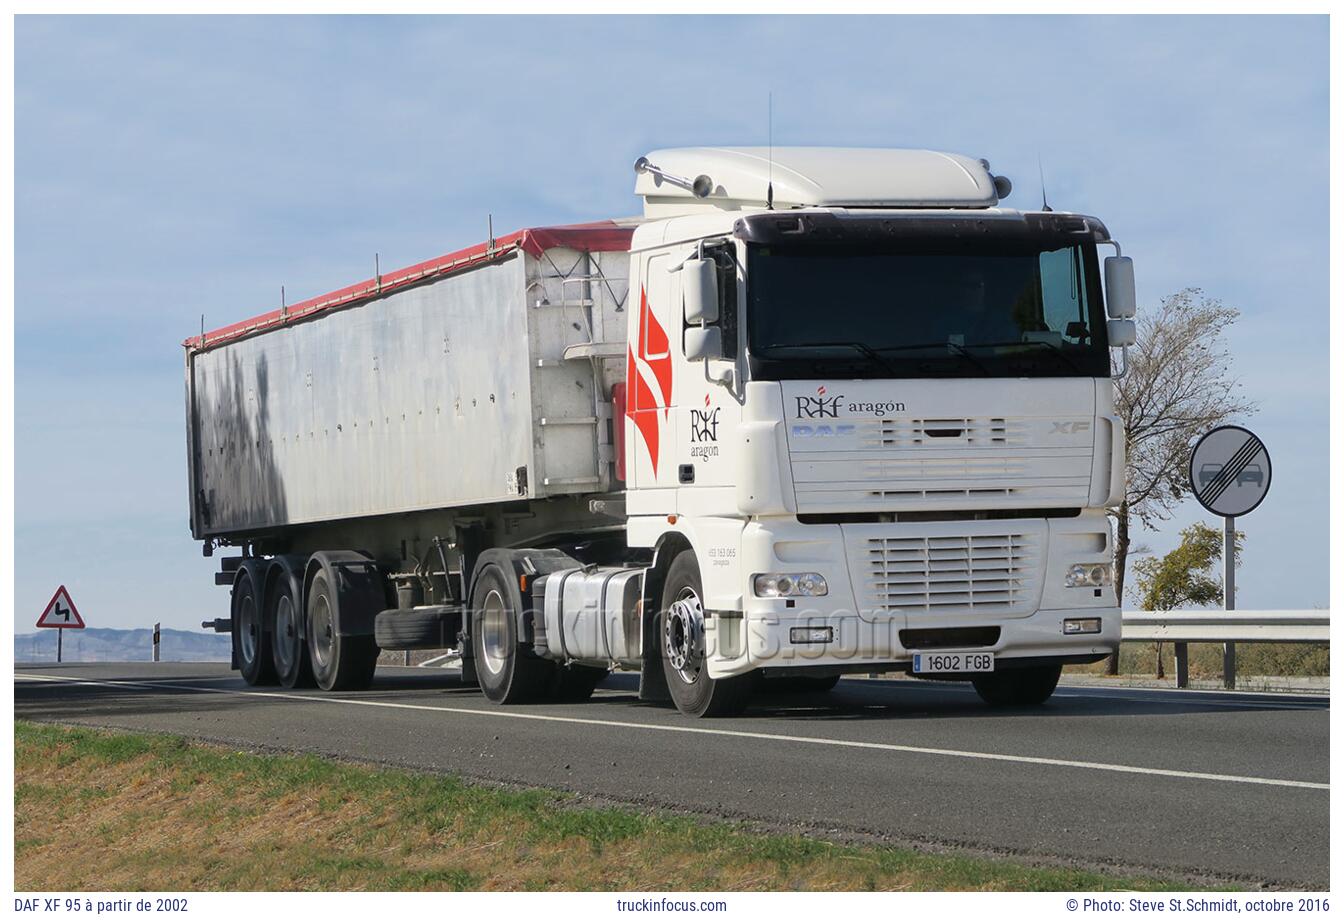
902 309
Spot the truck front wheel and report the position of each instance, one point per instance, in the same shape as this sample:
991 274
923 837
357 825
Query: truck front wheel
1018 686
681 632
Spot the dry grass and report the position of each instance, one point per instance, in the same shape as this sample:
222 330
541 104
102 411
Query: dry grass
125 812
1206 660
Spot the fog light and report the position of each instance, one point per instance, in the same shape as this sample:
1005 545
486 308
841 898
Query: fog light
810 635
1080 627
1088 575
783 584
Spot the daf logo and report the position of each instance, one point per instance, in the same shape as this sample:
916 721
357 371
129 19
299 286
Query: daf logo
1070 427
822 431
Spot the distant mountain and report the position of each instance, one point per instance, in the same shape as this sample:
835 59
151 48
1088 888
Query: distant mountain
122 645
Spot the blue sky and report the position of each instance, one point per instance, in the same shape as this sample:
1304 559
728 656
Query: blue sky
172 167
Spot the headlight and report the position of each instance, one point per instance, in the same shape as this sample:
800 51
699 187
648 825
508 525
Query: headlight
1088 575
786 584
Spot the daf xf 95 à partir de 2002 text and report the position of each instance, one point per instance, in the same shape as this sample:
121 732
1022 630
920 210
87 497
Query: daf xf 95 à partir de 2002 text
816 411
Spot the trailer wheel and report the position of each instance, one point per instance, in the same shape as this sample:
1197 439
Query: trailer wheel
1018 686
681 632
289 652
339 662
251 643
576 683
507 671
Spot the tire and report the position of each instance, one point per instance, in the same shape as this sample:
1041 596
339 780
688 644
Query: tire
576 683
289 652
338 662
1018 686
419 627
680 631
507 672
251 642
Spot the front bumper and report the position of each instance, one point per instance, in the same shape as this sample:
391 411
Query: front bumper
860 644
866 634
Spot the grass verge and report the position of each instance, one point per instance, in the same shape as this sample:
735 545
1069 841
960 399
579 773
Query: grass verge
100 810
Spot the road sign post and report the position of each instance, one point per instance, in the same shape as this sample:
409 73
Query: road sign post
60 614
1229 598
1230 474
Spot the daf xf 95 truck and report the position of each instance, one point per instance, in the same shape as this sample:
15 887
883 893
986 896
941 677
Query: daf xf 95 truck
817 411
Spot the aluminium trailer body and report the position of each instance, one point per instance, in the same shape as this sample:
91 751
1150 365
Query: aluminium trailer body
475 380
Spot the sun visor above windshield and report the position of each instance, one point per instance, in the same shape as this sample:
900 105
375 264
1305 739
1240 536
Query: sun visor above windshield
1045 230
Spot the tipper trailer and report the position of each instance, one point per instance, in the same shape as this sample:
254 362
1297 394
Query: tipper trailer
817 411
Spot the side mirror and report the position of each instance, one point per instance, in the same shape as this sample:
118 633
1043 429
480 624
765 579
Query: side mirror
1120 300
703 342
700 291
1121 332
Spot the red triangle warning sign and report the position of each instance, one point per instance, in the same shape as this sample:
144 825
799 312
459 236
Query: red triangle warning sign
61 612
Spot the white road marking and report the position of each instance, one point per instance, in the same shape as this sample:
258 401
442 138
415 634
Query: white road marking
696 730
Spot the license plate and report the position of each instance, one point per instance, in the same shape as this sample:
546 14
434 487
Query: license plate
953 662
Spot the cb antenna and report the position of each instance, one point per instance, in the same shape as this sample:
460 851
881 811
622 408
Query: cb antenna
1045 206
770 156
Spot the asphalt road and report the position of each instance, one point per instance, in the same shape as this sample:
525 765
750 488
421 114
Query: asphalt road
1209 786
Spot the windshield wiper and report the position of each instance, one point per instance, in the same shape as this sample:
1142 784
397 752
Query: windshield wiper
958 348
866 350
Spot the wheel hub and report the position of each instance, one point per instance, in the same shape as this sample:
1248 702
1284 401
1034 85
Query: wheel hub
322 630
247 632
494 632
683 635
285 631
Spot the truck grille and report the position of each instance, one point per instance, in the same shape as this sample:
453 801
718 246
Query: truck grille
992 572
942 432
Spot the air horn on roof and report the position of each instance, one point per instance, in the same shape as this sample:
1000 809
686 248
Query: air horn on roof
700 186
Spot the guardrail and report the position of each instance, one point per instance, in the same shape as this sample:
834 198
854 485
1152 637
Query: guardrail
1226 627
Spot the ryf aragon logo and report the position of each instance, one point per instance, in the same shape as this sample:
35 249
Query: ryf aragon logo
705 424
819 406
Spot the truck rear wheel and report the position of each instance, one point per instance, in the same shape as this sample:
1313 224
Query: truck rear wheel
284 618
1018 686
339 662
681 633
507 671
251 643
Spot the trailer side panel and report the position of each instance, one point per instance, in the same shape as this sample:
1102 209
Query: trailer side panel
419 400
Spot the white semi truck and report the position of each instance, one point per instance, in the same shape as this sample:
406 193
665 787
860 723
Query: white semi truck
816 411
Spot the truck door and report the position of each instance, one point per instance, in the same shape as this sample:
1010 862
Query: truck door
649 436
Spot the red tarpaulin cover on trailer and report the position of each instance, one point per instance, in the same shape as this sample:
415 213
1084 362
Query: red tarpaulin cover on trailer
599 236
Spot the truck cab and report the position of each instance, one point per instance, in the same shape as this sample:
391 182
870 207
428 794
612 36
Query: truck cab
875 410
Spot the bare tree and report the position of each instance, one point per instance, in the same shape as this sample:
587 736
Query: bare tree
1178 386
